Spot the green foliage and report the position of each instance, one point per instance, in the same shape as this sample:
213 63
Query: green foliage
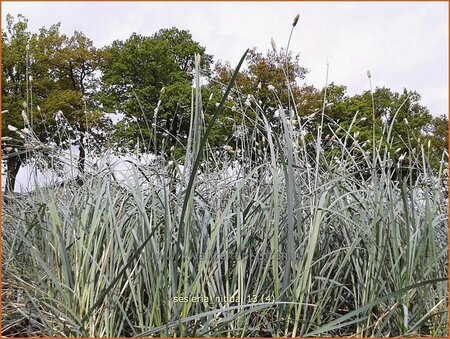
149 80
402 124
15 94
14 91
183 49
434 138
65 81
262 72
45 73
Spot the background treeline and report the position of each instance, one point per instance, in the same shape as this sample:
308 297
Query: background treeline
51 80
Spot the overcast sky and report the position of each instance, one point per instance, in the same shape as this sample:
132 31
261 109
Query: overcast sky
404 45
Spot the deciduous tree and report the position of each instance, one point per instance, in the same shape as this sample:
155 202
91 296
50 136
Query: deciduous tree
149 80
45 73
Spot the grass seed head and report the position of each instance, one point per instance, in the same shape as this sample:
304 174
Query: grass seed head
12 128
26 131
25 118
295 20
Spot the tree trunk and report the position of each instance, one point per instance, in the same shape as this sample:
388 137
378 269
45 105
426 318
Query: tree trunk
12 168
81 158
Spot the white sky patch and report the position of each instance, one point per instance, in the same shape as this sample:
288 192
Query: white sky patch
404 45
29 175
115 117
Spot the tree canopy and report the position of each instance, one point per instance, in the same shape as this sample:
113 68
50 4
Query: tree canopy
53 77
149 80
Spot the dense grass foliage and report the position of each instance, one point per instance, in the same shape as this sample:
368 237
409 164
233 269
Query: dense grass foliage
275 235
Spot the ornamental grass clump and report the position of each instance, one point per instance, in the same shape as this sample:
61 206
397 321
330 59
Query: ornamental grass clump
279 234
